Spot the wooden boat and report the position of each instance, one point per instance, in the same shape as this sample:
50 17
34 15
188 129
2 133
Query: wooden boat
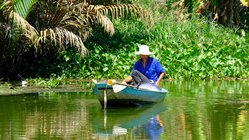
118 95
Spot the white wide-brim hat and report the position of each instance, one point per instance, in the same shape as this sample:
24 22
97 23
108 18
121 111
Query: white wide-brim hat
144 50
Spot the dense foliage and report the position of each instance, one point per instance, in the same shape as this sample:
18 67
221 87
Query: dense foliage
187 49
32 30
188 44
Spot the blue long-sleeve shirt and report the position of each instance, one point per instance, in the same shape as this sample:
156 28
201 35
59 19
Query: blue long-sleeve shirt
152 70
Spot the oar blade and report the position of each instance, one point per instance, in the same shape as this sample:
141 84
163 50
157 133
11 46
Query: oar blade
94 81
118 88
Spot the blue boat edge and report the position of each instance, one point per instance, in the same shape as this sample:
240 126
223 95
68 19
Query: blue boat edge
130 96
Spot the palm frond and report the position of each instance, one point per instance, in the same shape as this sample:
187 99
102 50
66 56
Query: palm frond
106 24
7 7
28 30
77 23
106 2
77 20
122 10
22 7
99 18
88 15
19 25
60 37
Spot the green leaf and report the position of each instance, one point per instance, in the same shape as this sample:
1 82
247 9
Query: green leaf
23 7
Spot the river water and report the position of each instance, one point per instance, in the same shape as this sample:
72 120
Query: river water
200 110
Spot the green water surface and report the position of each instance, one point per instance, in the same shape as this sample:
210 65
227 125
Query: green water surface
192 110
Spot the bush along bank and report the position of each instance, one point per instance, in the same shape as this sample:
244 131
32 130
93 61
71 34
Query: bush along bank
190 49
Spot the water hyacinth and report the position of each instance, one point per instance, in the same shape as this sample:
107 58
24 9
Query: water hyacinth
190 49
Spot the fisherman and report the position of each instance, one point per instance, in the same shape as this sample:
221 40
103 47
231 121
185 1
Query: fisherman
146 70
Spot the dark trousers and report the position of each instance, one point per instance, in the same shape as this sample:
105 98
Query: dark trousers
138 78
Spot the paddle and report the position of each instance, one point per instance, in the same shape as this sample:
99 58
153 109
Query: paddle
117 87
105 94
94 81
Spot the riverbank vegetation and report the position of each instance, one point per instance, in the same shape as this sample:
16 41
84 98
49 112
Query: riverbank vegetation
191 40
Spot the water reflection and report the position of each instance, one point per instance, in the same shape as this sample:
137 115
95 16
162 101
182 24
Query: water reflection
41 116
143 121
151 129
199 110
207 110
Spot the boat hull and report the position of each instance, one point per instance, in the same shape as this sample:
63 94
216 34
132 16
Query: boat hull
129 96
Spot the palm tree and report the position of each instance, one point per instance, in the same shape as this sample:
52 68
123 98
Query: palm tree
232 13
54 25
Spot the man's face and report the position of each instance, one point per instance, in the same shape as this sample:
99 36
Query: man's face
144 57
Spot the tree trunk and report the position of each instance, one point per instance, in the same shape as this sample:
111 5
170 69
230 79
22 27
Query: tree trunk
226 12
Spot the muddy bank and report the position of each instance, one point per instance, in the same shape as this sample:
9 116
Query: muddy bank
6 89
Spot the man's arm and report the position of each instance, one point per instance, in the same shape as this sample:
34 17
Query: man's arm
127 80
160 78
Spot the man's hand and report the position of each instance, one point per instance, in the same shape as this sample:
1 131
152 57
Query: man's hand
127 80
123 82
157 83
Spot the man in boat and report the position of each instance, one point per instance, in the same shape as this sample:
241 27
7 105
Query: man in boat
146 70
